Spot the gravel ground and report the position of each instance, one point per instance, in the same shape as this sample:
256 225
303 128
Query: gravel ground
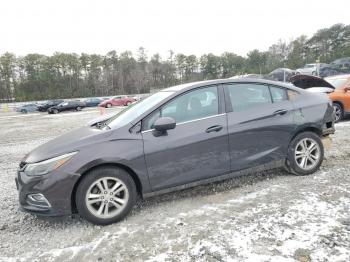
271 216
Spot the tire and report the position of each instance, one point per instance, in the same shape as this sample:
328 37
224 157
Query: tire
297 157
55 111
339 112
92 183
109 105
78 108
128 103
23 111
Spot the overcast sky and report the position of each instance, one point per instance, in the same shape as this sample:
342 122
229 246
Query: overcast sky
189 27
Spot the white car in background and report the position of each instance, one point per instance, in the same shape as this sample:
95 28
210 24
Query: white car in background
308 69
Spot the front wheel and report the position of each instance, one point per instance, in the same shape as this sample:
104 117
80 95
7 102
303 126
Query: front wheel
105 195
78 108
305 154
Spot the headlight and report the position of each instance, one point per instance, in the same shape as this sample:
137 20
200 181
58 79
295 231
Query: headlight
44 167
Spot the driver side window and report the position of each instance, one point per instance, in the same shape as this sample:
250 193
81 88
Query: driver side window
196 104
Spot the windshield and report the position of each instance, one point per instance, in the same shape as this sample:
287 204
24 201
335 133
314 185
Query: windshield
337 82
130 113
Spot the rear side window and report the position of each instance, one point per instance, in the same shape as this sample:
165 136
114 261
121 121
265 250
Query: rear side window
278 94
246 96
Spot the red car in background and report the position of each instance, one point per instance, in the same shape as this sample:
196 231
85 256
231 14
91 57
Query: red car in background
117 101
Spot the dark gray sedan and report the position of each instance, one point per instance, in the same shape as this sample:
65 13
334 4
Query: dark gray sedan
66 106
180 137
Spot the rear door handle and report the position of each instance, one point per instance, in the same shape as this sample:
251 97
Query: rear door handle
280 112
216 128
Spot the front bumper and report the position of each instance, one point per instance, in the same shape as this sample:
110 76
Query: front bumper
56 189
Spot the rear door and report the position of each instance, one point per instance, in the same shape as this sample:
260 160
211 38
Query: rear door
198 146
260 123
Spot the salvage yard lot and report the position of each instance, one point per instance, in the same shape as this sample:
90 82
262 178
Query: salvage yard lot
271 216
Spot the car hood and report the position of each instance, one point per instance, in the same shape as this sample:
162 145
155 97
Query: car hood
308 81
69 142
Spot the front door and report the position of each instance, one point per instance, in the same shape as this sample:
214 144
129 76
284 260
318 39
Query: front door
198 146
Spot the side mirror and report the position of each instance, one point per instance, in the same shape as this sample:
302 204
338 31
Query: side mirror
164 123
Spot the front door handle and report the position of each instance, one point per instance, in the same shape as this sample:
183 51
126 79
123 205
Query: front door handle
216 128
280 112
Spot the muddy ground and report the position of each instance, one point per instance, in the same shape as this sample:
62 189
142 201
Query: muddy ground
271 216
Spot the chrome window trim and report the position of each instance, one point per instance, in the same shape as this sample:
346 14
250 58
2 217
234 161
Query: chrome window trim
189 121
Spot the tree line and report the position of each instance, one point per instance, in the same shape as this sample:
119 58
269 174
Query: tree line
67 75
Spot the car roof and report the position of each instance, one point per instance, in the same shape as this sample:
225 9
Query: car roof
189 86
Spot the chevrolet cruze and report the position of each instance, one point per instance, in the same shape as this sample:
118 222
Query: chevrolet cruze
180 137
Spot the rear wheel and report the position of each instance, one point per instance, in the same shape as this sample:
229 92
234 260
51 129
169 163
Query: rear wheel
128 103
105 195
305 154
78 108
55 111
339 112
109 105
24 111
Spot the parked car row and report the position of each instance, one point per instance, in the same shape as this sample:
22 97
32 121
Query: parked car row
337 67
58 105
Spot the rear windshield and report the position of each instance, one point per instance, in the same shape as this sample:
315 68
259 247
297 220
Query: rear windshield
337 82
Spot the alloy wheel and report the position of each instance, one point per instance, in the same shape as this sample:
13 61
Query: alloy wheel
107 197
307 153
338 112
